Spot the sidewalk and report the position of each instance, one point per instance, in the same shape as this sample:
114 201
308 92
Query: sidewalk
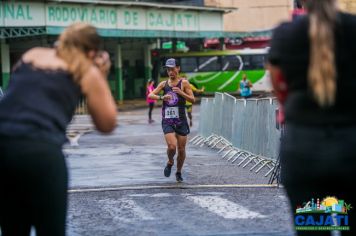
137 149
132 104
117 186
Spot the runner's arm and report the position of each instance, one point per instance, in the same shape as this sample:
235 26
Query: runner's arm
101 104
187 92
154 94
196 90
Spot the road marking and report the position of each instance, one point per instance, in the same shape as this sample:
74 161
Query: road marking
173 186
211 193
224 207
156 195
122 208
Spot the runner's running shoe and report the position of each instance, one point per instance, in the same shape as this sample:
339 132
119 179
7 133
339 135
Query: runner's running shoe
179 177
167 170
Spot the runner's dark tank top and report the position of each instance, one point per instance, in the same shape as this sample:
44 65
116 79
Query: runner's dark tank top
38 104
173 111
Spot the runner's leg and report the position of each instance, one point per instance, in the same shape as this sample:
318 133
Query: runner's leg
182 141
171 141
151 104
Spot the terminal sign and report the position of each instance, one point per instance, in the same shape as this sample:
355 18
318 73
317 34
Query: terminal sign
14 14
21 14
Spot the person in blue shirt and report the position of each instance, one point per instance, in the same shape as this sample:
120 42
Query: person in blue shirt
245 87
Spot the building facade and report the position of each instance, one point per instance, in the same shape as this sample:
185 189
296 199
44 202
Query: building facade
262 15
256 15
176 2
130 29
348 5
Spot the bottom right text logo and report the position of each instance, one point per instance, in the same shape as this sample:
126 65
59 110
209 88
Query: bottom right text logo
325 215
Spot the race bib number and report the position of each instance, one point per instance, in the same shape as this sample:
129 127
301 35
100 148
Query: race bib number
171 112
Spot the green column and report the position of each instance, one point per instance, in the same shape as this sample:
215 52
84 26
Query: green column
147 61
118 74
222 43
174 45
5 64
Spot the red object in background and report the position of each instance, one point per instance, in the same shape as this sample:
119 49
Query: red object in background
212 43
280 118
250 42
238 43
281 92
281 88
298 12
154 53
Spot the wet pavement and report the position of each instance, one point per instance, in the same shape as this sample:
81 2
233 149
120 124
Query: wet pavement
180 212
117 187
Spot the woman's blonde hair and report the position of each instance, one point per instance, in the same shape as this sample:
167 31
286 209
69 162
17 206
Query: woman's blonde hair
322 70
73 46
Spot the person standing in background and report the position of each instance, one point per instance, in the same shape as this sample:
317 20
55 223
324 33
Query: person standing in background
245 87
311 61
189 105
150 102
33 172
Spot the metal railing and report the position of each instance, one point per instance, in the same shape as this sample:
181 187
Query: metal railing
243 131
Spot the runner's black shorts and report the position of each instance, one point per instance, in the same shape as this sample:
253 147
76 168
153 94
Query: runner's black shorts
181 129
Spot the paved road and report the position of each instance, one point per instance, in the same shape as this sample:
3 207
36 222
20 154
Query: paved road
117 187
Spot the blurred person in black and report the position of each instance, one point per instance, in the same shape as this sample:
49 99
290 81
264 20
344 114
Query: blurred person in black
311 61
33 173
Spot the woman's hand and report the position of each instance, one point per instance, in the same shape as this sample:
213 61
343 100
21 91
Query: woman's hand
102 61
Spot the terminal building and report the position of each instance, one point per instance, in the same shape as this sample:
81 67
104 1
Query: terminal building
132 29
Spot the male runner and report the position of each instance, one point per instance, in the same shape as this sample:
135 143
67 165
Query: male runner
176 91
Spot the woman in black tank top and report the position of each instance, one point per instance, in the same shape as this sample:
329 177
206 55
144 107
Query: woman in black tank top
33 173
